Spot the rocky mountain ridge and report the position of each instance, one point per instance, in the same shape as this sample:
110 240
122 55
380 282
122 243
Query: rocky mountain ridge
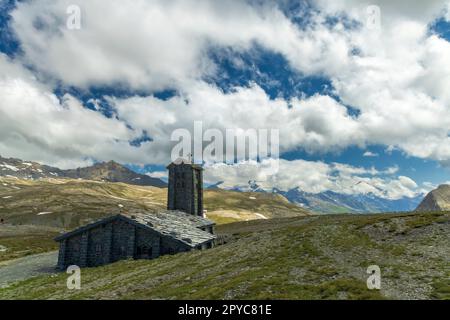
106 171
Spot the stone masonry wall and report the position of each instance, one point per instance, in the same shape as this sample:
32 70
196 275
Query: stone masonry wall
185 189
122 240
147 243
113 241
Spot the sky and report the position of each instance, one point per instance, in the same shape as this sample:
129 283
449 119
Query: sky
358 90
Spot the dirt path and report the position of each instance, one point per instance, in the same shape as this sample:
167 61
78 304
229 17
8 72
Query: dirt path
27 267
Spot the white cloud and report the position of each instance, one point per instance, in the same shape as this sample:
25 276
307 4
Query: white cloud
143 44
447 12
157 174
315 177
35 125
370 154
318 123
398 81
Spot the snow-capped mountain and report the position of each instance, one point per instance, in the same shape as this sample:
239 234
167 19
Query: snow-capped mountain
333 202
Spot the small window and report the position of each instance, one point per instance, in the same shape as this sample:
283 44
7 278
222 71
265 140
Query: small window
144 252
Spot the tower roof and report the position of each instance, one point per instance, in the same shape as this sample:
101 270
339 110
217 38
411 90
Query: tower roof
185 162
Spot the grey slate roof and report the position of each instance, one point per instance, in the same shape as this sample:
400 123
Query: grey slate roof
175 224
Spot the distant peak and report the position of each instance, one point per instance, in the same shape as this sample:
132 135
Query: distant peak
111 163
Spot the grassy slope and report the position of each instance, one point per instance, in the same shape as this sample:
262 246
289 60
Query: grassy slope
75 202
293 258
20 241
67 204
70 203
232 206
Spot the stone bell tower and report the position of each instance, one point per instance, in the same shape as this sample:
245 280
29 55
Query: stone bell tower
185 187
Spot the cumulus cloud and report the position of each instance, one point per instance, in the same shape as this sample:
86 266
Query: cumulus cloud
36 125
397 79
143 44
314 177
316 124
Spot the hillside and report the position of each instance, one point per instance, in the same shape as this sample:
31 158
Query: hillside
320 257
230 206
436 200
67 203
106 171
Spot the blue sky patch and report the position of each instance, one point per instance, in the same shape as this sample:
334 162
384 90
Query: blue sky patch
270 70
8 42
441 28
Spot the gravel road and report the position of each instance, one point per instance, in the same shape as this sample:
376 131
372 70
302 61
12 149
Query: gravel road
27 267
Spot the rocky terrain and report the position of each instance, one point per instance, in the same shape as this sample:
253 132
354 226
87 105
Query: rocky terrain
316 257
436 200
106 171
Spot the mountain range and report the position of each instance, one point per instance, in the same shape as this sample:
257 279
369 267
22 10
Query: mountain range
333 202
106 171
323 202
